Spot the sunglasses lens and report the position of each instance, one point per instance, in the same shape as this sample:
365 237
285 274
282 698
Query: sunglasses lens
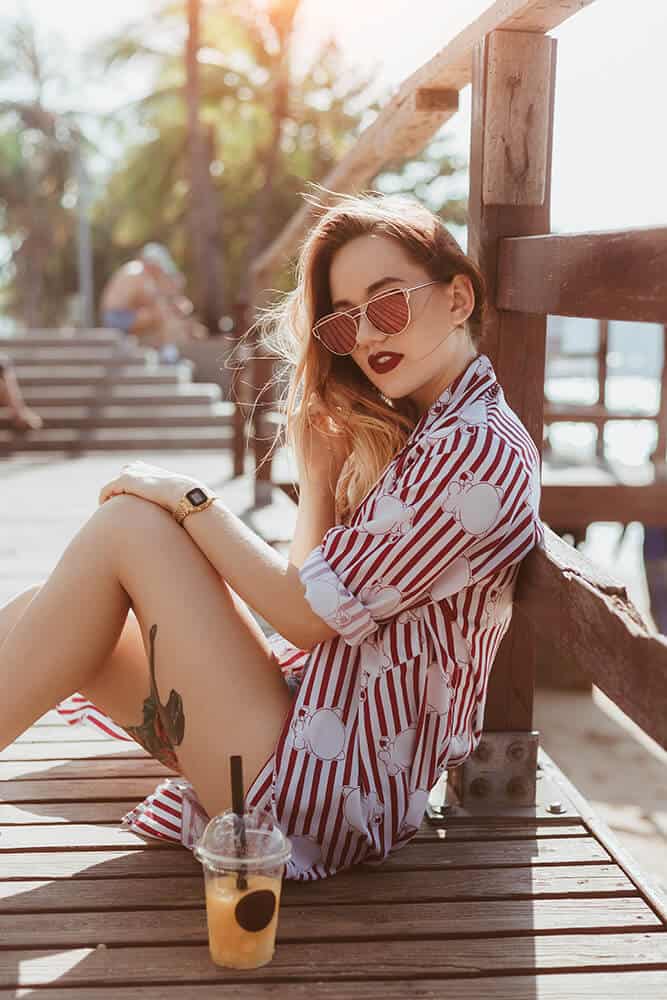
389 313
338 333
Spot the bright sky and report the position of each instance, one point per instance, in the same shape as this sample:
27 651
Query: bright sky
608 168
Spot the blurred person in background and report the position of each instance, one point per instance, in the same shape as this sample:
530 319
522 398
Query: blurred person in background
145 297
21 417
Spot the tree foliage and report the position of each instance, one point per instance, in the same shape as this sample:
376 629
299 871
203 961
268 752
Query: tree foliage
259 167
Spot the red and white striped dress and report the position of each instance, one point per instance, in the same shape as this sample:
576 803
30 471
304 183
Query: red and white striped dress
419 587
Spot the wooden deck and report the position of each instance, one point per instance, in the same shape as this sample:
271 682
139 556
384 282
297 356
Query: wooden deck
530 905
527 904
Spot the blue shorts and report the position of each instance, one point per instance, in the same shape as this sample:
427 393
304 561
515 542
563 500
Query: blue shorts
119 319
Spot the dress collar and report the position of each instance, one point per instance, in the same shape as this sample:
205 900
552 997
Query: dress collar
468 385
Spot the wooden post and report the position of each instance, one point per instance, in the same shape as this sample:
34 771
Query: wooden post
513 88
603 347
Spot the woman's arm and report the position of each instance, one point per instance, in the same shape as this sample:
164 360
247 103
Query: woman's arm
264 578
315 515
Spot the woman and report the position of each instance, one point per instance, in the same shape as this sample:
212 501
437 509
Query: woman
419 494
20 416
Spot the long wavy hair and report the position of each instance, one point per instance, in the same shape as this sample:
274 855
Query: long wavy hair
374 427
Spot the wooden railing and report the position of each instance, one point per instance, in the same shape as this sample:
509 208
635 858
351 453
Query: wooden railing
575 612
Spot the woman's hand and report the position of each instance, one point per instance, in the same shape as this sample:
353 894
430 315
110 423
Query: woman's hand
322 449
149 482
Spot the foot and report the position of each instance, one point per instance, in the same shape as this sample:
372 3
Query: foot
25 419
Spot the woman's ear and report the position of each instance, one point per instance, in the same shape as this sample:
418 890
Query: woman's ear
462 298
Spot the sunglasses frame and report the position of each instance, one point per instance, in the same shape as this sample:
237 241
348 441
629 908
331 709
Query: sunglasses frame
359 311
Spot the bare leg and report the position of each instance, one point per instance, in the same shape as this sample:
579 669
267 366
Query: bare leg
215 689
64 635
121 683
10 394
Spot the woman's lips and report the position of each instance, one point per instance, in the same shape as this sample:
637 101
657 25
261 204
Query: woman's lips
384 361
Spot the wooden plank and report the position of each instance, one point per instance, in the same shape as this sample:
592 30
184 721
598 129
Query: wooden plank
73 836
574 882
67 812
594 414
653 894
43 863
76 750
419 853
109 788
570 985
338 961
475 854
515 343
59 768
110 812
401 130
362 922
173 861
586 615
620 275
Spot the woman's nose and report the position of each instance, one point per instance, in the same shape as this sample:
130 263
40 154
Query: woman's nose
367 334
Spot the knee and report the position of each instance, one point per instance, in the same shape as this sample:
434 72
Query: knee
120 517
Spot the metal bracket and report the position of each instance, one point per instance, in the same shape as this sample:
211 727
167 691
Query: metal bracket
500 774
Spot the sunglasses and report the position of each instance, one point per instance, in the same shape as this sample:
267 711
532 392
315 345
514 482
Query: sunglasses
388 312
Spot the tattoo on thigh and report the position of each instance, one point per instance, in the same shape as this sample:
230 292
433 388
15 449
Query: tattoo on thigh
164 725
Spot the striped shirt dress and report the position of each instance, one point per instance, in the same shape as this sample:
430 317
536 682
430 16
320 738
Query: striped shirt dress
419 588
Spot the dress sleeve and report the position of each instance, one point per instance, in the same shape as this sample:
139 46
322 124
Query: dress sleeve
460 509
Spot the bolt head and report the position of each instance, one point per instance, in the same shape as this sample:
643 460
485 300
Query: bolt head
516 788
479 787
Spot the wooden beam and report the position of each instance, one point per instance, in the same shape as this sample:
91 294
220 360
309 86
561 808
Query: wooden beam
570 506
587 616
402 129
436 99
615 275
593 413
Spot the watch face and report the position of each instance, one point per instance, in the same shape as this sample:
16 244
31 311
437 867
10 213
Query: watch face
196 497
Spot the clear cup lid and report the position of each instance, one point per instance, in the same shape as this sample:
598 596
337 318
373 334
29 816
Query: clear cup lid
220 845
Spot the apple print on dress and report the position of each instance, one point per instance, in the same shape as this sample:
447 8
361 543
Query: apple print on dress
415 811
439 691
321 731
461 646
306 851
498 606
476 506
474 414
373 661
391 517
380 598
457 576
327 600
460 746
397 754
361 811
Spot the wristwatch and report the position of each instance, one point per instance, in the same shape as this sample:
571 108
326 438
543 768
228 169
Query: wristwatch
198 498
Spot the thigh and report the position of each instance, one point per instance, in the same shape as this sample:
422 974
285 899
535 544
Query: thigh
213 686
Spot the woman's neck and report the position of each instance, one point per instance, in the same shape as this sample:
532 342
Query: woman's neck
461 354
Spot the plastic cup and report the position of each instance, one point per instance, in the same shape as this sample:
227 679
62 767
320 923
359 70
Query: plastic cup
242 919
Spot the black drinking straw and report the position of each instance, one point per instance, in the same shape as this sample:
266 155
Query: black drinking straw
237 805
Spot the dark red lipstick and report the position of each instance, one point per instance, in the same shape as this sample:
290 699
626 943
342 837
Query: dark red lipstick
384 361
